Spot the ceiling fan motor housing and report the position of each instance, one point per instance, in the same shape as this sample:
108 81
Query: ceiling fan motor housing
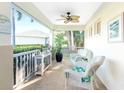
68 16
68 13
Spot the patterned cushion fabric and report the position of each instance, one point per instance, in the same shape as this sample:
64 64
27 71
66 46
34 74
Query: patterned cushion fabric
86 79
81 69
78 69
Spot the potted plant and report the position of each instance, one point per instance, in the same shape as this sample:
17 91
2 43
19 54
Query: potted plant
59 41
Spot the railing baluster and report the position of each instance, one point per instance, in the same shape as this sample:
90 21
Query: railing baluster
24 65
21 68
34 66
14 70
31 62
28 65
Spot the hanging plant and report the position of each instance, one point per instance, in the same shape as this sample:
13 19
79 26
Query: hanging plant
19 15
32 20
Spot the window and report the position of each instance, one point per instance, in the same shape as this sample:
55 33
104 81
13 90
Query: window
86 33
78 38
90 31
97 28
27 29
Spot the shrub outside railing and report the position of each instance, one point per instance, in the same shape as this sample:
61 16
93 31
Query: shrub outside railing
24 48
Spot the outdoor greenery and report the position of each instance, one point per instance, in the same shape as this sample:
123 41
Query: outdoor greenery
58 44
78 38
24 48
60 41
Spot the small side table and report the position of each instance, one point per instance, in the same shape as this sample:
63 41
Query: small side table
42 62
38 65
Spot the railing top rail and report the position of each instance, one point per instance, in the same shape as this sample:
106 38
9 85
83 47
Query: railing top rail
27 52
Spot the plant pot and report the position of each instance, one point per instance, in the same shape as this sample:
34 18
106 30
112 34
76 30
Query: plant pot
59 56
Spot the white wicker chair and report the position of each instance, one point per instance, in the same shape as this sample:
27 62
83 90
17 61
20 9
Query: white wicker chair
83 57
73 78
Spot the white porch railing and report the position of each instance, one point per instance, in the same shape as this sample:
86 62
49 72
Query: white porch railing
43 62
24 66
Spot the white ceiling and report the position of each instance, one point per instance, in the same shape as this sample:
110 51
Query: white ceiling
53 10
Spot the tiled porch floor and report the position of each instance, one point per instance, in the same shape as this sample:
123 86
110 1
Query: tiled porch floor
53 79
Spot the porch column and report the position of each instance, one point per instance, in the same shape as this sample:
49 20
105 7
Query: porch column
72 41
69 39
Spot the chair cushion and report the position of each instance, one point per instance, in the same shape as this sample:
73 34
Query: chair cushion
86 79
81 69
78 69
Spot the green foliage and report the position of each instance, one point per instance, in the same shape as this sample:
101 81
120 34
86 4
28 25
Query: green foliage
79 38
24 48
59 41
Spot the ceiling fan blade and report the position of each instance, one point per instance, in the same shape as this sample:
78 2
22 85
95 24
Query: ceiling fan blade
61 19
75 17
66 22
63 16
74 21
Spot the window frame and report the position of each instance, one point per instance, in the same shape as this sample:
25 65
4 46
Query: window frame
97 31
13 7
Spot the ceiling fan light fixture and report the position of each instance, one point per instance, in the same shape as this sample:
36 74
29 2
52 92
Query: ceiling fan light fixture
70 18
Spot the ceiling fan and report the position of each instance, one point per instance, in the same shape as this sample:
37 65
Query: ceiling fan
70 18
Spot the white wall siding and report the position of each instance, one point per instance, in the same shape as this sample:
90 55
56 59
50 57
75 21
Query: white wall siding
29 40
100 45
